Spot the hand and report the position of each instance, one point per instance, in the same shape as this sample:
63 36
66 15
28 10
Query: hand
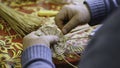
33 39
71 16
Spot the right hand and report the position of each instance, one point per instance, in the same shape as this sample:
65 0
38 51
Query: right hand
71 16
33 39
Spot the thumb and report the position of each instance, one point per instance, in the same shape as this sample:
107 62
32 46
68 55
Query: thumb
52 39
70 25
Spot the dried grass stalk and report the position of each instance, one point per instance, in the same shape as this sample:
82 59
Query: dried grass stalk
21 23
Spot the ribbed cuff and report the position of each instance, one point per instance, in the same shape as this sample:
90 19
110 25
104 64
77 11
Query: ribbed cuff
36 52
97 9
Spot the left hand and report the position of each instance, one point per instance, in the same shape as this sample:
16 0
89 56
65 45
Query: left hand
33 39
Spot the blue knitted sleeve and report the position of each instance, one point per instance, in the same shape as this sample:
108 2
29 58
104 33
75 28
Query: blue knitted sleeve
37 56
100 9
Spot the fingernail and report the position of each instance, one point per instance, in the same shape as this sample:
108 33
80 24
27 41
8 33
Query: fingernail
64 31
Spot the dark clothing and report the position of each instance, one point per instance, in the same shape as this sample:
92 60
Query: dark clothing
100 9
103 50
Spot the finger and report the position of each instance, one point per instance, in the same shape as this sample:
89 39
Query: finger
70 25
30 36
52 38
39 32
60 17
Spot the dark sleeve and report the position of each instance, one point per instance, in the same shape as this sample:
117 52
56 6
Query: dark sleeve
103 51
37 56
100 9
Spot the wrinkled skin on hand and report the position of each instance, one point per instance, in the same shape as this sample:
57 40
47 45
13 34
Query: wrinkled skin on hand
71 16
33 39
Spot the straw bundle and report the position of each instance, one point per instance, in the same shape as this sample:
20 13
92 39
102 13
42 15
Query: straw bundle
69 45
21 23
